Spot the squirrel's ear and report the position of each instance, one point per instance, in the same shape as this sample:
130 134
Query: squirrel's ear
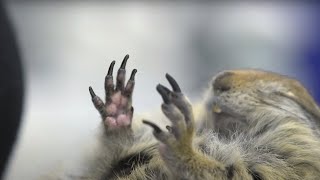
304 100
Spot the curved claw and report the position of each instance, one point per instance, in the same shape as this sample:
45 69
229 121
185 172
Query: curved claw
110 70
121 74
154 126
128 90
133 73
92 92
97 102
173 83
164 92
108 83
169 128
124 62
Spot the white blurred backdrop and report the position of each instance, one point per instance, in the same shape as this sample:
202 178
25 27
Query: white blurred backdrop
67 46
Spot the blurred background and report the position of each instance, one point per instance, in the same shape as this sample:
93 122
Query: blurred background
68 45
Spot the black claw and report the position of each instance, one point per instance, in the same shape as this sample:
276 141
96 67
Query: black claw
169 128
173 83
124 62
155 127
164 92
133 73
92 92
110 71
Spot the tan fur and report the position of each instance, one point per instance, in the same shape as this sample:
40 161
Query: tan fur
251 125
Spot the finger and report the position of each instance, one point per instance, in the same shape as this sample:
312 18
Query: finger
173 83
176 117
165 93
122 74
98 103
156 128
92 92
108 83
157 132
130 85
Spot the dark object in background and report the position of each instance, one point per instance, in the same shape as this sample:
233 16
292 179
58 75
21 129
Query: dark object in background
11 90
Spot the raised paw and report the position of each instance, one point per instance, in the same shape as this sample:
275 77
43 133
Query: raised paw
178 139
117 111
176 147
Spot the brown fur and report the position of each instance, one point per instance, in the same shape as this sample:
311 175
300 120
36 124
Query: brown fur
251 125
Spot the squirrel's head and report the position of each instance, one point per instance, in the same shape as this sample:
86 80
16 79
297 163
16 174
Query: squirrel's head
240 93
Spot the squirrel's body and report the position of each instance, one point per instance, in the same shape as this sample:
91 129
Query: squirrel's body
251 125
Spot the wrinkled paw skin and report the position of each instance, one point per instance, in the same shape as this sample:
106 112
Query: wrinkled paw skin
177 142
176 149
117 111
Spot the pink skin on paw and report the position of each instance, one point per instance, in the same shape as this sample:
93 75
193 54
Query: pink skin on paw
110 122
112 109
115 109
116 98
124 102
123 120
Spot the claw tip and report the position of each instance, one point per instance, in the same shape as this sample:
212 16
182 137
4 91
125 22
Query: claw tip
158 87
110 70
133 74
126 57
124 62
135 70
91 92
169 128
168 75
155 127
173 83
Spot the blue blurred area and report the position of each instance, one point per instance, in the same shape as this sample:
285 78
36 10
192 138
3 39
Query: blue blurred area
312 62
311 56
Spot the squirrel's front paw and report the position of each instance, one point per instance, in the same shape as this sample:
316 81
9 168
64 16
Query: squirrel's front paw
176 147
176 144
117 111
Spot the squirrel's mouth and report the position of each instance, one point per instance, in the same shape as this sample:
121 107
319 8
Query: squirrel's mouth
214 105
216 109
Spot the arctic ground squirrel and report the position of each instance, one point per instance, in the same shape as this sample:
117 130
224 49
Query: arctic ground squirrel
251 124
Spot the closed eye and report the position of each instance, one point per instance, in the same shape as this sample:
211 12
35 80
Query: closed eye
223 88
